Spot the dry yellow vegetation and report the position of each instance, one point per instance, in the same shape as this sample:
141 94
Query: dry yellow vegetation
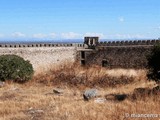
35 99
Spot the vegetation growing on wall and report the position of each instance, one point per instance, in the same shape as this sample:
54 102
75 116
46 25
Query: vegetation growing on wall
154 64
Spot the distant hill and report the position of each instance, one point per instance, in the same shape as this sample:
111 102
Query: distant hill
41 41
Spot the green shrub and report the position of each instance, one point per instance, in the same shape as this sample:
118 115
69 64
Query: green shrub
154 64
13 67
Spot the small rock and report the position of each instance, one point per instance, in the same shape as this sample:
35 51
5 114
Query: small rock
14 89
33 111
141 93
58 91
110 97
120 97
2 84
89 94
99 100
116 97
156 90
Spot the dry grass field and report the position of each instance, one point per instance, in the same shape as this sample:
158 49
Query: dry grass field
35 99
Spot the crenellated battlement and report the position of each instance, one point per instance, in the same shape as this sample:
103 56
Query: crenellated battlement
41 45
129 42
82 45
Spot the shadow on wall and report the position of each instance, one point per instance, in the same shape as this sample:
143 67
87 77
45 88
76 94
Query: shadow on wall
131 57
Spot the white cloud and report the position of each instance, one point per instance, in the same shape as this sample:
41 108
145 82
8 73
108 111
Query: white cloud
18 34
121 19
71 35
39 35
129 36
157 28
1 35
101 35
52 35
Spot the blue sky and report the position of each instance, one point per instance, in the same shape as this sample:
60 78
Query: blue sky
74 19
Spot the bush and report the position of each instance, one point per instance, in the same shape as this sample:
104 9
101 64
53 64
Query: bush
154 64
13 67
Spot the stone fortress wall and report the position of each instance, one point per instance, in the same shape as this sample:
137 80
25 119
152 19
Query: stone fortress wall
116 54
127 54
43 56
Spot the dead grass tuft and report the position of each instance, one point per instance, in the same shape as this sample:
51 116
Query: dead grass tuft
73 75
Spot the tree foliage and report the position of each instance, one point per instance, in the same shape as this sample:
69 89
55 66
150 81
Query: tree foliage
154 64
13 67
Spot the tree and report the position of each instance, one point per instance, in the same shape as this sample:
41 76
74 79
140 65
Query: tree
13 67
154 64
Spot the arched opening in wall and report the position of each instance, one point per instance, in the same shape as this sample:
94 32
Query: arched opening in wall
0 45
83 62
104 63
82 54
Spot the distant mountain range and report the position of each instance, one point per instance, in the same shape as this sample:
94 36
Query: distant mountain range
42 41
60 41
